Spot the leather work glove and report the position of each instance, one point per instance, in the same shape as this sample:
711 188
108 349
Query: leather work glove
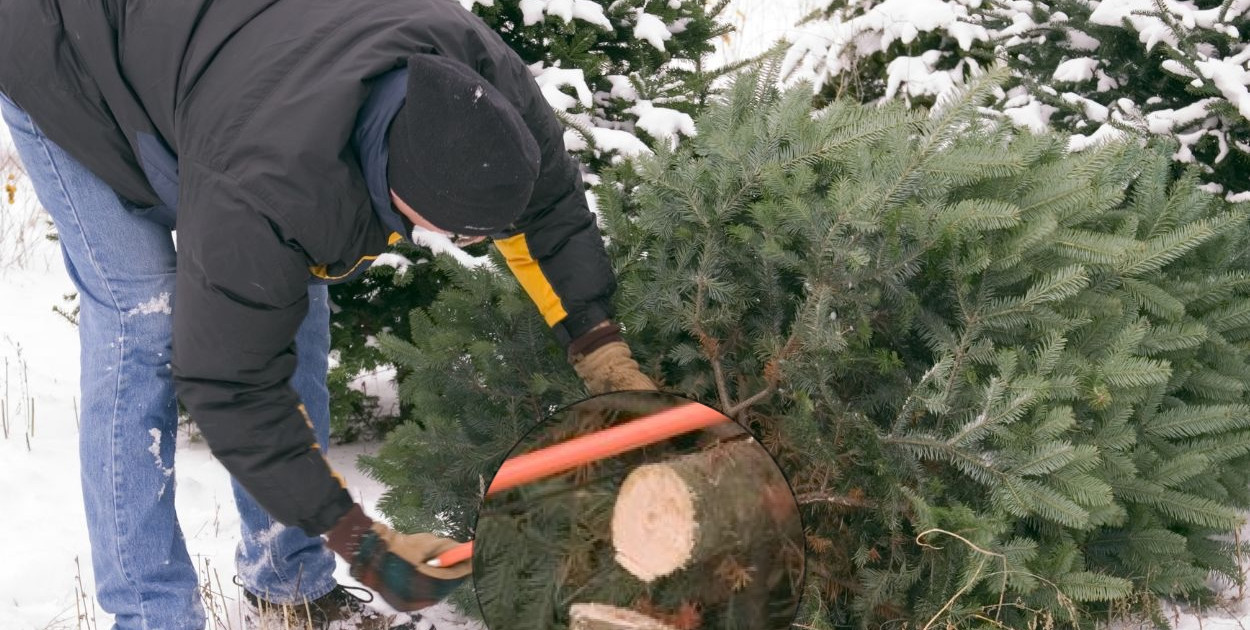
393 564
603 360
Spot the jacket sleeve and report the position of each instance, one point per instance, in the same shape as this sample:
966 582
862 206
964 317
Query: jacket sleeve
555 249
240 298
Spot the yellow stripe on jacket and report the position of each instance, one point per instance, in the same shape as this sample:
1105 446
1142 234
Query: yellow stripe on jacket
517 252
322 272
303 411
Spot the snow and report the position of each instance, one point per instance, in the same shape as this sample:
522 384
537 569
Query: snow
1106 83
662 122
1080 40
622 87
157 305
551 79
439 243
622 142
574 141
379 383
1177 68
592 12
1034 116
1188 140
1104 134
1232 80
918 76
835 42
1166 120
680 25
1076 70
391 259
1021 24
652 30
904 20
1093 110
1151 29
533 11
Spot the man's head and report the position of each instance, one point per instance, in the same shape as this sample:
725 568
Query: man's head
460 156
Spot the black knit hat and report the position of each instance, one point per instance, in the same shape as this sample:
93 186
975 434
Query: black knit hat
459 152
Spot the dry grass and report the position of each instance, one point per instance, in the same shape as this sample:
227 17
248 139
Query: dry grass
220 607
23 224
17 406
223 604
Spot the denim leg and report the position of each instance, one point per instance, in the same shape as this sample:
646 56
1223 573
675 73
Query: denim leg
123 267
282 564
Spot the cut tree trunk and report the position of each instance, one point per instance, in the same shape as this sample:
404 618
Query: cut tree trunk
670 515
604 617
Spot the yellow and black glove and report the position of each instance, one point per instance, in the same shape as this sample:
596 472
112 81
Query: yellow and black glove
604 362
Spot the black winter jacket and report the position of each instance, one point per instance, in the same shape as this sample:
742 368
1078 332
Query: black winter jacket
257 100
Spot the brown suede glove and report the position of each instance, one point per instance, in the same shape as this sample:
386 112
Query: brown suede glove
417 548
603 360
393 564
611 368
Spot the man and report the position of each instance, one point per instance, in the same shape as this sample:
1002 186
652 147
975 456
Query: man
292 142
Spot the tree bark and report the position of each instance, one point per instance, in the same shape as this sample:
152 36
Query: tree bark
670 515
604 617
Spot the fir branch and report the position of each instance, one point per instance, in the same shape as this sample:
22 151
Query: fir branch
709 345
1166 248
971 431
942 367
809 498
743 405
1197 420
978 466
1045 459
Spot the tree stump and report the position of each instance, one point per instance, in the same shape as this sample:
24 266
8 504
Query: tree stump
670 515
604 617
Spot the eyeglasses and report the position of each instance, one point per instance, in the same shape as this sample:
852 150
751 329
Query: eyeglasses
461 240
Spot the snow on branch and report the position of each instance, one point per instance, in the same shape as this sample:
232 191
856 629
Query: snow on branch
1069 69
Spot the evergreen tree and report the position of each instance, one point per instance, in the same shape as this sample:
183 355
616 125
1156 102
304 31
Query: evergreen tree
1095 70
623 75
1007 382
378 303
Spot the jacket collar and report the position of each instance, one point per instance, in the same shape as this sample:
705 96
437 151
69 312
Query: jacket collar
386 95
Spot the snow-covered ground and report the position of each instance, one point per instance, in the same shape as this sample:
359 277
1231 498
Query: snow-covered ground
45 576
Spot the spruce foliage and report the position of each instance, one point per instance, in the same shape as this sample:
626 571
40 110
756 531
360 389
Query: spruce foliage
375 304
1007 382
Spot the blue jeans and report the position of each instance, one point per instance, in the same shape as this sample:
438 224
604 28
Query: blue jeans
123 267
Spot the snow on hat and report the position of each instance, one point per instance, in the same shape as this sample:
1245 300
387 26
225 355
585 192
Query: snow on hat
459 153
